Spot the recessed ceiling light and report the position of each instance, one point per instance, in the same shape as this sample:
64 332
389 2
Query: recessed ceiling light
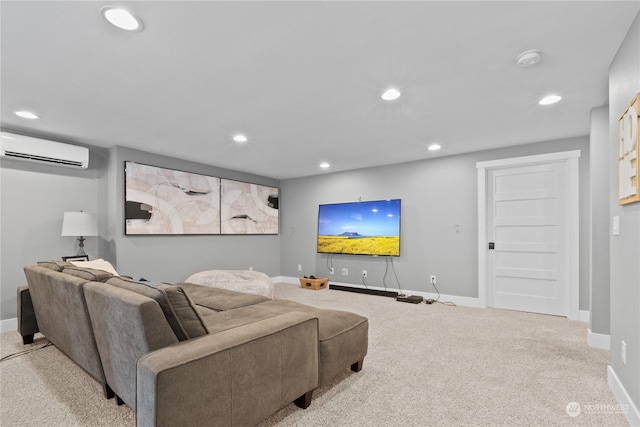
528 58
324 165
240 138
434 147
121 18
26 115
390 94
551 99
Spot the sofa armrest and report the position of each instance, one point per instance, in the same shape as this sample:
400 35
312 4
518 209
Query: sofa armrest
27 322
236 377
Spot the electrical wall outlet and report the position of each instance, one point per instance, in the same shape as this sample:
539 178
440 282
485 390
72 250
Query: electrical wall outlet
433 279
623 352
345 271
299 267
364 273
250 268
332 270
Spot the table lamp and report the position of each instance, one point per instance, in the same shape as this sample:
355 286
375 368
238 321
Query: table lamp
79 224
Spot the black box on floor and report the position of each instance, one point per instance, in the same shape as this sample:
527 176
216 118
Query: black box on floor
413 299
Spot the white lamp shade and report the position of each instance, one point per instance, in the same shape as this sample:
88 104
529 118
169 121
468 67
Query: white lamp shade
79 224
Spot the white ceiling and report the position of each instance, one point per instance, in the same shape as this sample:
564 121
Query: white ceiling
302 79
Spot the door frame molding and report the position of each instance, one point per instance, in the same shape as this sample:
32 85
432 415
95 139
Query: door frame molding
570 158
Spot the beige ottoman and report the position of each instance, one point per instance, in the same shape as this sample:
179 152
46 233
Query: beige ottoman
246 281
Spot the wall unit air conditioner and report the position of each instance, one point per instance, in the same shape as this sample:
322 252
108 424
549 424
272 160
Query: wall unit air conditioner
13 146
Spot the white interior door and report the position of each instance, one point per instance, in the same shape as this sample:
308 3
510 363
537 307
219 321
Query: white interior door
527 217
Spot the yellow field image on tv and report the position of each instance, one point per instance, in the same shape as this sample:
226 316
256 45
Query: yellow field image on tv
382 245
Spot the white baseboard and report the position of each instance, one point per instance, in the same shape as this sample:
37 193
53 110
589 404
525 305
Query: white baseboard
601 341
8 325
457 300
584 315
284 279
623 398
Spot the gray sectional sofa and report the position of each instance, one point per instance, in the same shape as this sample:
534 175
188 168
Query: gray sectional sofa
186 354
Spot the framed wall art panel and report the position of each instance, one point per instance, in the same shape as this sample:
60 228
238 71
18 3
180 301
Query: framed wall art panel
628 144
248 208
167 201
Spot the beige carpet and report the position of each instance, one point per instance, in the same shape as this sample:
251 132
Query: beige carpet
428 365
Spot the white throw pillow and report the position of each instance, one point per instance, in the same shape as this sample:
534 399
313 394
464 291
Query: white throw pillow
98 264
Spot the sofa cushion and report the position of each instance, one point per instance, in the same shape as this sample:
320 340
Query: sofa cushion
343 336
332 322
90 274
62 316
220 299
180 311
55 265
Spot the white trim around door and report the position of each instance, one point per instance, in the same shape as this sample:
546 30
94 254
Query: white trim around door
570 158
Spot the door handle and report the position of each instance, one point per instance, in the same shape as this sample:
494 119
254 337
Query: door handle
492 245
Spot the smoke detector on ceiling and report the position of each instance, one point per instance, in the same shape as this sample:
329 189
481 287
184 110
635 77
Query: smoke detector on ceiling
529 58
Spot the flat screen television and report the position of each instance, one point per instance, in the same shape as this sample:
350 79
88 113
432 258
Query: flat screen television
360 228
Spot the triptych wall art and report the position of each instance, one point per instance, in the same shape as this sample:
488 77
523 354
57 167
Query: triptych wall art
166 201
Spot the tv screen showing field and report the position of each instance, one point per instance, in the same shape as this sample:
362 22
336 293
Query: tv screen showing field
360 228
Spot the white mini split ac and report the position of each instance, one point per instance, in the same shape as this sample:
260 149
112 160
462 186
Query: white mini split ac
13 146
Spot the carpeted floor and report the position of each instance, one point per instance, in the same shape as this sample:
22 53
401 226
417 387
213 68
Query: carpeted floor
428 365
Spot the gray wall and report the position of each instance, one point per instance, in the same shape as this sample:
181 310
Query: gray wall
624 84
437 195
599 173
174 258
33 199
